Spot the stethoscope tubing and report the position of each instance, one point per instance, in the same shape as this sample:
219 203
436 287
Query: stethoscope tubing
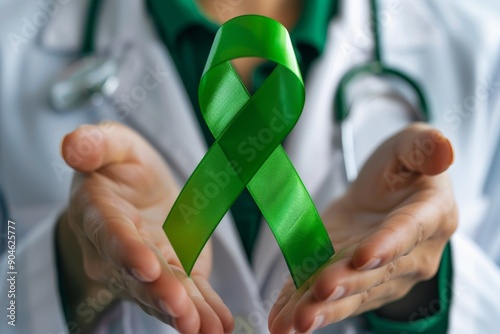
341 106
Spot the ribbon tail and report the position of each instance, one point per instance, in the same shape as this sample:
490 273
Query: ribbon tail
291 216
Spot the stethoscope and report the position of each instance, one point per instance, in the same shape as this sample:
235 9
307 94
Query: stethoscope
342 107
95 78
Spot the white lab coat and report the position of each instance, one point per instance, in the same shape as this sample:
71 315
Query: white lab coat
451 47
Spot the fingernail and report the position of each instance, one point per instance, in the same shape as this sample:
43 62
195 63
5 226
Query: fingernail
61 153
317 323
438 136
336 294
138 275
165 308
370 264
452 158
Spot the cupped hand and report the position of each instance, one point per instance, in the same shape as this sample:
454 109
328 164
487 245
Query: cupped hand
389 231
119 201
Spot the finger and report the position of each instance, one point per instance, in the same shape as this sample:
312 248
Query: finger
341 279
215 317
91 147
166 294
111 229
310 315
341 282
165 298
168 298
404 229
169 320
364 290
279 316
286 293
215 302
282 322
209 320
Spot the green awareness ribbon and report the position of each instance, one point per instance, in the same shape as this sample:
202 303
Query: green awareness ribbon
248 152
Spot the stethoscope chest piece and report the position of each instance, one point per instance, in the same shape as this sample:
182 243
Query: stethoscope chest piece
91 78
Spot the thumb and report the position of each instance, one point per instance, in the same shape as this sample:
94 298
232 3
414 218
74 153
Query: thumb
412 215
91 147
422 149
417 150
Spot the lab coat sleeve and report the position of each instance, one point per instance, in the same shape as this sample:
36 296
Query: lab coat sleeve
475 302
37 302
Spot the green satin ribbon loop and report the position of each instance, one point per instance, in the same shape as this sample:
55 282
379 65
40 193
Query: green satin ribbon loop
248 152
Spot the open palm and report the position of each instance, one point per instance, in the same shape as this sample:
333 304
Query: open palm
119 201
389 231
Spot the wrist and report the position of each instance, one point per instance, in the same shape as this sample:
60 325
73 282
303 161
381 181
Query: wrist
430 317
422 294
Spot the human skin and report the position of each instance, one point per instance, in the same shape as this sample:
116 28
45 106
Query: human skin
389 237
112 230
123 191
